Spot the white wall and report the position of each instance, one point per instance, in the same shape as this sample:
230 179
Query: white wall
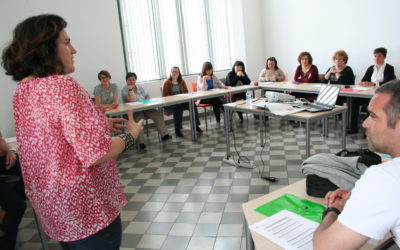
322 27
94 29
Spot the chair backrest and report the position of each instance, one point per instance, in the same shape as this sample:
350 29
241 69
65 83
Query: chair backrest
194 86
161 87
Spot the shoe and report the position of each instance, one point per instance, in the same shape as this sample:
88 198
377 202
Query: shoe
178 133
198 129
166 137
142 146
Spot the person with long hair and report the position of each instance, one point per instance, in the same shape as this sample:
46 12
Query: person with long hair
238 77
175 85
271 72
207 80
66 151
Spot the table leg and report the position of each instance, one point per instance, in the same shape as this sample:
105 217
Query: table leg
307 138
249 239
261 121
344 113
192 116
227 130
349 103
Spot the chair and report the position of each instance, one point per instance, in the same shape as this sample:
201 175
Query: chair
202 105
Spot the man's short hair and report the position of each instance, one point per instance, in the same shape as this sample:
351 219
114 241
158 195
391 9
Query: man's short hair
392 108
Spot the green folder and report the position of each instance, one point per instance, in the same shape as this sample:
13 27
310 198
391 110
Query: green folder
295 204
146 101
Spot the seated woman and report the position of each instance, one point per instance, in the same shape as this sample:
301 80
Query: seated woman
238 77
306 72
176 85
106 93
207 80
340 73
376 75
271 73
12 198
380 72
132 92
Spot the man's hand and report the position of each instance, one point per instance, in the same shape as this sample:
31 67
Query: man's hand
11 158
133 127
114 126
337 198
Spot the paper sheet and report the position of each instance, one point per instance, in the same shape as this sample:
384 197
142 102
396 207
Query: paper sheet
265 83
185 94
315 86
11 139
287 230
134 103
217 90
277 108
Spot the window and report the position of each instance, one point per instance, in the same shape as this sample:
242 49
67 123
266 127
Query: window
159 34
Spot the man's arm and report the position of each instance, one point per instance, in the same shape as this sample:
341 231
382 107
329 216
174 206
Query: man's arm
332 234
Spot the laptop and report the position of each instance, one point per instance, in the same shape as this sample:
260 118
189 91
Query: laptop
326 99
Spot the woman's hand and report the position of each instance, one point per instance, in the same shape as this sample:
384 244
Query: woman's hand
11 158
366 84
115 126
133 127
206 77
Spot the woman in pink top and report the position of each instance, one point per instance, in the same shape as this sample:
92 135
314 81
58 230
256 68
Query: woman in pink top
65 147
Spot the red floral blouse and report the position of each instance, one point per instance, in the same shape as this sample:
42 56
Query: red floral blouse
61 134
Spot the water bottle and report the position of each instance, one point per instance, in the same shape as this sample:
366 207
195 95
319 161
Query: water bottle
248 97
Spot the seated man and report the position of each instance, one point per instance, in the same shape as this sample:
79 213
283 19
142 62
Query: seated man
372 208
12 197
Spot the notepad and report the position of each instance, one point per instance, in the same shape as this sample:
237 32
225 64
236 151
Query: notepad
265 83
147 101
185 94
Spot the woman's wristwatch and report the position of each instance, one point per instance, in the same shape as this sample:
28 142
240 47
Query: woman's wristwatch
128 139
330 209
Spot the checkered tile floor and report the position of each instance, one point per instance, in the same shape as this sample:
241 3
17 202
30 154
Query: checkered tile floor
182 196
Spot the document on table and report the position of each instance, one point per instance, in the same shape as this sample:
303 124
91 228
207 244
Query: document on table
287 229
277 108
185 94
134 103
361 88
265 83
217 90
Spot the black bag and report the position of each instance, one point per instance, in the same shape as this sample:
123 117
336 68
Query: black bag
318 187
367 157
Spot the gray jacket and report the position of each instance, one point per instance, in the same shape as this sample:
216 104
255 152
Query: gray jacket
341 171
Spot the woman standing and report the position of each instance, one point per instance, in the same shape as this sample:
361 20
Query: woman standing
175 85
66 152
306 72
271 73
207 80
106 93
133 92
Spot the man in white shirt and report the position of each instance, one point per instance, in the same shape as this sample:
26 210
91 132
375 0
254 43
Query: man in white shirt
372 208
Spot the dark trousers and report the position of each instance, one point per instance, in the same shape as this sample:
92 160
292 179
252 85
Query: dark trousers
108 238
239 96
12 200
355 111
216 102
177 110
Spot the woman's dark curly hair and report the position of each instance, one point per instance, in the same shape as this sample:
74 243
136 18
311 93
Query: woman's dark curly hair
33 50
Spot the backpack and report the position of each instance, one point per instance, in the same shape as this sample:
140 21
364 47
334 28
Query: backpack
318 186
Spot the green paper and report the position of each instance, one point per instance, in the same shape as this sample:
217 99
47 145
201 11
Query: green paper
305 208
147 101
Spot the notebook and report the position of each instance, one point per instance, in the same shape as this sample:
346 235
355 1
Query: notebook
326 99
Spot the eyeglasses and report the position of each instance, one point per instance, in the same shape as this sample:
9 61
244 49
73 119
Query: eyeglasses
103 77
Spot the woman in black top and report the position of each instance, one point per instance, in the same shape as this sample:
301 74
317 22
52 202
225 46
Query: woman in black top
340 73
376 75
380 72
237 77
